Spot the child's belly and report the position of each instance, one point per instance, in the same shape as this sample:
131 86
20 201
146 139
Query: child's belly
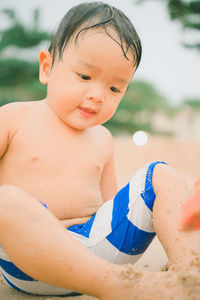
66 197
72 199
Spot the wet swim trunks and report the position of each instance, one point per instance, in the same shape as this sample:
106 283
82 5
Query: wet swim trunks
120 231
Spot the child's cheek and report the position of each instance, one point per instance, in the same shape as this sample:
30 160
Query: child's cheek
109 113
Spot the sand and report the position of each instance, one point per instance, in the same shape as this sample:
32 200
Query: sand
183 156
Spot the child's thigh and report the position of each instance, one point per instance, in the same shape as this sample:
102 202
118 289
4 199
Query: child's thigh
122 229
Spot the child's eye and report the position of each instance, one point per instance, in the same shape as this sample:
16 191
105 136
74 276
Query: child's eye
84 77
114 89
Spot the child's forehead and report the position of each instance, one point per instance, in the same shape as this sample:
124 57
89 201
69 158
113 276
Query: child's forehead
94 38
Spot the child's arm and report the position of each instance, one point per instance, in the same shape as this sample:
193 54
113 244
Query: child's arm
108 179
10 115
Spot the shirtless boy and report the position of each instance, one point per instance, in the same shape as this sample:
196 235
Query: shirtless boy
56 153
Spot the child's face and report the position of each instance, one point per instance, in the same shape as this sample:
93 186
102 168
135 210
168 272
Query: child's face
86 86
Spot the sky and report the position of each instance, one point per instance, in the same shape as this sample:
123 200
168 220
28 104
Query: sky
171 68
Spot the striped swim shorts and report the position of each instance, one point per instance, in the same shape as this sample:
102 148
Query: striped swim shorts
120 231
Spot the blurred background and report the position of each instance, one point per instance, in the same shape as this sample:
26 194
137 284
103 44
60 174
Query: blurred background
159 117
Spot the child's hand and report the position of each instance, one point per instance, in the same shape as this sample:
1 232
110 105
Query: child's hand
190 218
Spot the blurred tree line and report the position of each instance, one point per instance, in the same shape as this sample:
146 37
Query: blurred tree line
19 78
187 13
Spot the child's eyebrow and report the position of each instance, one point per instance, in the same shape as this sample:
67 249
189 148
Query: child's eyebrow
96 68
91 66
121 80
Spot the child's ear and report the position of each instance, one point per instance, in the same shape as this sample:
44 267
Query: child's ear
45 61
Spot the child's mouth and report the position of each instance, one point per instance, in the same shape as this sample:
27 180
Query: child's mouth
86 112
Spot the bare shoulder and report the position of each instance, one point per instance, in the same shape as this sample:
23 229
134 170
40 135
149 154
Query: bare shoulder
13 109
103 141
103 135
11 114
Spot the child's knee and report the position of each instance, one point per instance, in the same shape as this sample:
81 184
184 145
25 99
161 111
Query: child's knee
167 180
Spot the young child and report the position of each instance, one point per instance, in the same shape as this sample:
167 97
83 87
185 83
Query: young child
57 171
191 210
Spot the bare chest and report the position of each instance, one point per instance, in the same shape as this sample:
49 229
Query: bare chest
65 173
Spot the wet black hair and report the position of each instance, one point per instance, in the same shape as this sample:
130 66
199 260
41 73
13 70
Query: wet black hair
92 15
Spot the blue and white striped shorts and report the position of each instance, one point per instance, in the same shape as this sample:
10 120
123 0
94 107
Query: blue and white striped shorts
120 231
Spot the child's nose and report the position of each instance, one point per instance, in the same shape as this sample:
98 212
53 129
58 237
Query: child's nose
96 95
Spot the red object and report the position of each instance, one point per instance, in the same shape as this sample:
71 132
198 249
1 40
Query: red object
191 210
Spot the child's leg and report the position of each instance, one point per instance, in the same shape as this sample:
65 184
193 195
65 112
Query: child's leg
36 242
123 227
182 248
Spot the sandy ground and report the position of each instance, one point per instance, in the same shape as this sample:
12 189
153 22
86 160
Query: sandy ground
182 155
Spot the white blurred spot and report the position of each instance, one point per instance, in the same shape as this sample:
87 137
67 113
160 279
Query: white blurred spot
140 138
